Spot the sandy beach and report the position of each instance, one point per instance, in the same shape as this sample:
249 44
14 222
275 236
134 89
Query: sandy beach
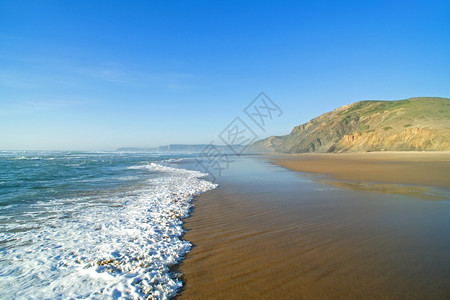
416 168
268 232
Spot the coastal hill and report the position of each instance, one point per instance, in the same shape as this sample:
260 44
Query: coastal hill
415 124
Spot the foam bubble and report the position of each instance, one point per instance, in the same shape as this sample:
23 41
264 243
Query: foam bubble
120 247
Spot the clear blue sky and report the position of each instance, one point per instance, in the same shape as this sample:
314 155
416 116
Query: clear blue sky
105 74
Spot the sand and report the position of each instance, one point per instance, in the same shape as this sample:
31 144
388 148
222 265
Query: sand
418 168
269 233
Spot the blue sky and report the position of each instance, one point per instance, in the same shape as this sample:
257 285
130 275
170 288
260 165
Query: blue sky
99 75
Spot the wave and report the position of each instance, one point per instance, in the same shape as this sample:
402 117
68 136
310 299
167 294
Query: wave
118 247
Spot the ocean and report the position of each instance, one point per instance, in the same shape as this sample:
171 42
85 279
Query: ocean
93 224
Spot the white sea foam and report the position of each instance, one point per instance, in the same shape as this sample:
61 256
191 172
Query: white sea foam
118 248
26 158
172 160
138 167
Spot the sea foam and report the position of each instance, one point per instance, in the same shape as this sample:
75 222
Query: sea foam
121 247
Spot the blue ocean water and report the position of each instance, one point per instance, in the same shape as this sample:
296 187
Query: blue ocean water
92 224
28 177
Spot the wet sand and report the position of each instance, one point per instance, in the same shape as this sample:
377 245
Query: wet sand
418 168
268 232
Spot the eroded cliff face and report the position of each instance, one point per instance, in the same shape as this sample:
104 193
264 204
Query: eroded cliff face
415 124
396 140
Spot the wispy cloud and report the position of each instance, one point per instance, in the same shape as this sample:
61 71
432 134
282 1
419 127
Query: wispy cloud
21 79
38 105
116 73
110 74
48 78
57 67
